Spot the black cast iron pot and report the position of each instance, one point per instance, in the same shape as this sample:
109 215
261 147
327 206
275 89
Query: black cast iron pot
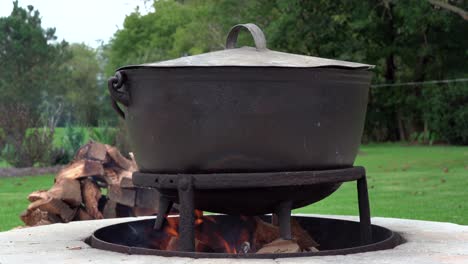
243 110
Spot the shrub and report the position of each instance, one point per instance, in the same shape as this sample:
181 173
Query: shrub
103 134
447 112
24 144
74 138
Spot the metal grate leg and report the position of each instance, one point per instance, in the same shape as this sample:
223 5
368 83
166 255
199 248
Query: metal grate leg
364 211
165 206
283 213
186 214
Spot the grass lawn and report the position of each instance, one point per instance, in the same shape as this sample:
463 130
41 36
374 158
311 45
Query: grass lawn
417 182
13 197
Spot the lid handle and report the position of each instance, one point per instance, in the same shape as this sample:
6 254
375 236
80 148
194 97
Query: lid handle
255 31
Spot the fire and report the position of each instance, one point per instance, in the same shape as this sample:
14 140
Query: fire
172 227
229 234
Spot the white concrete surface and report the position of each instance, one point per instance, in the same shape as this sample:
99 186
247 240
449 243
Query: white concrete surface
427 242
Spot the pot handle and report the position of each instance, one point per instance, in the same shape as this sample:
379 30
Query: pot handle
255 31
117 94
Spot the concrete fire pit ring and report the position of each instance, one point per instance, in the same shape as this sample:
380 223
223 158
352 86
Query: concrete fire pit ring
426 242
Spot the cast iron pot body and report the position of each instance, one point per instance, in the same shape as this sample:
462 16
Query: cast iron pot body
233 119
216 119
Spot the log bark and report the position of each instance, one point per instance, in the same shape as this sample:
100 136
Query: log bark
280 246
109 210
83 215
38 195
69 190
80 169
93 151
91 195
264 233
54 206
120 160
33 217
304 240
121 195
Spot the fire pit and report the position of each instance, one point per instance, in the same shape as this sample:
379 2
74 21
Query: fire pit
336 237
244 131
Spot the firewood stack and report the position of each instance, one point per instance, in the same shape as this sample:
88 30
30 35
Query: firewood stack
80 188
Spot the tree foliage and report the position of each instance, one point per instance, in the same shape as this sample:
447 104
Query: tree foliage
408 41
31 61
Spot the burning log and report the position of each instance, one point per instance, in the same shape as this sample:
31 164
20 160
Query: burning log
266 233
76 193
280 246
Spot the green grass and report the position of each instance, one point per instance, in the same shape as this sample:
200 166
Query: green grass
417 182
4 164
13 197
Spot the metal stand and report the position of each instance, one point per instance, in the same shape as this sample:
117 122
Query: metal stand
187 183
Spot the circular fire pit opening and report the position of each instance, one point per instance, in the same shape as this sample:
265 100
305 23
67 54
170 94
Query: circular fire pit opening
336 237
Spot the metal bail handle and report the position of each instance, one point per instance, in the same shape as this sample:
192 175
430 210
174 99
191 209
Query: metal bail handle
255 31
114 84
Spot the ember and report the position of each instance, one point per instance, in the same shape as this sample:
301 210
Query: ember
234 235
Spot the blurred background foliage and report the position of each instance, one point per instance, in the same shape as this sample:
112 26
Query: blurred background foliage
60 84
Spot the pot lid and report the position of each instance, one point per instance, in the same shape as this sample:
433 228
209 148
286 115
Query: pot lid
258 56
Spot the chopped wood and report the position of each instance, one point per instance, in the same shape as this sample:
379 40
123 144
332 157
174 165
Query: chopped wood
76 193
38 195
54 206
93 151
121 196
69 190
264 233
80 169
120 160
91 195
32 217
109 210
126 179
280 246
83 215
110 176
302 237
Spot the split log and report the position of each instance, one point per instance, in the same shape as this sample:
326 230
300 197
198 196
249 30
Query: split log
91 195
121 195
80 169
109 210
120 160
83 215
302 237
69 190
38 195
54 206
266 233
76 193
280 246
93 151
33 217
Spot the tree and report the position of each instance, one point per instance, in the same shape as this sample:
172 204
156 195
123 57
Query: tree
31 61
83 94
408 41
